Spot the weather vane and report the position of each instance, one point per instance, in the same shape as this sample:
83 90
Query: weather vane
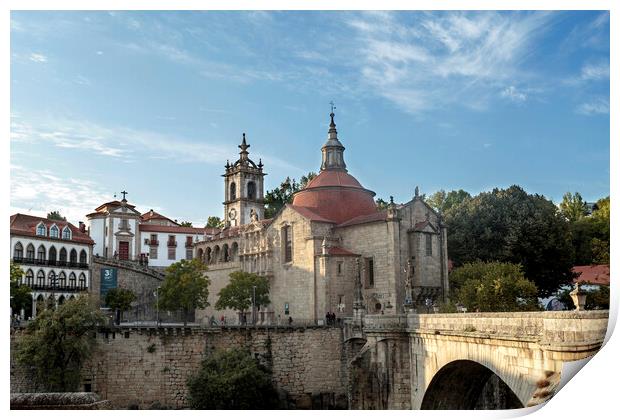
333 106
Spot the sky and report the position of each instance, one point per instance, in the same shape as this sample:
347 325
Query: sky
154 103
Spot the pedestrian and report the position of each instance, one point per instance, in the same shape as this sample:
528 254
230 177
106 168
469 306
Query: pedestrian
222 320
290 320
327 318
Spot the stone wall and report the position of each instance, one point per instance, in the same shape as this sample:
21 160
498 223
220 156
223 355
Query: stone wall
148 367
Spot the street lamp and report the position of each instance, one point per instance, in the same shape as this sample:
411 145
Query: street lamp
157 306
254 305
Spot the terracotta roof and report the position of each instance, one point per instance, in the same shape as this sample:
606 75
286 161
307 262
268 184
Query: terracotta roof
331 178
26 225
592 274
309 214
378 216
336 250
153 215
145 227
114 203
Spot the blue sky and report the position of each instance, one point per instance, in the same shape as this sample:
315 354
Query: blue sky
155 102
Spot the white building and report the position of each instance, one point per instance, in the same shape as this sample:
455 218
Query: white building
122 232
55 257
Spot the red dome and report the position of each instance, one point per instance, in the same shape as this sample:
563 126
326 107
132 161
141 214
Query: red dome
337 196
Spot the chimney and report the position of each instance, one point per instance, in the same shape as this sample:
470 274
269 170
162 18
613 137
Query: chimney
82 227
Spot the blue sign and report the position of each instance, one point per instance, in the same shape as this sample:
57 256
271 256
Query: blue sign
108 281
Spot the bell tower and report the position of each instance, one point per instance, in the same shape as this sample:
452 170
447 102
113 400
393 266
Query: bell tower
243 189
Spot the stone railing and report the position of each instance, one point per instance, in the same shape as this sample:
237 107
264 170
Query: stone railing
130 265
58 401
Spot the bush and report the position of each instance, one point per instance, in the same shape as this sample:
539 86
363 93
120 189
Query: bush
231 380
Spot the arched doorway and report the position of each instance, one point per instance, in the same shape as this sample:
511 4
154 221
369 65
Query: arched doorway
468 385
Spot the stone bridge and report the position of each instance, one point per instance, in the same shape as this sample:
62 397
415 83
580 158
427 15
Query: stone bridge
465 361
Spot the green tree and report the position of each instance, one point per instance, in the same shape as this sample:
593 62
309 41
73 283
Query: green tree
120 300
239 292
493 287
595 299
590 236
442 201
381 204
276 199
510 225
214 222
573 207
185 224
57 343
55 215
185 287
231 379
21 296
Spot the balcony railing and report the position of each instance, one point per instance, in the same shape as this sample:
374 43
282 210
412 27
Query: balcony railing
48 288
52 263
172 243
189 244
151 242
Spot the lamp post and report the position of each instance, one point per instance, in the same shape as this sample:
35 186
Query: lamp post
254 305
157 306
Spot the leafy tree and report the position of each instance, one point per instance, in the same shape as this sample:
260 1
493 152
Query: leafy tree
493 287
573 207
57 343
185 224
276 199
239 292
590 236
231 379
120 300
21 296
595 299
510 225
442 201
55 215
214 222
185 287
381 204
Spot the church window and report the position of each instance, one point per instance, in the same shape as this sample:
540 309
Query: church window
233 191
429 244
370 272
18 251
41 253
54 232
62 277
251 190
52 279
72 281
66 233
172 253
82 281
41 231
30 252
40 278
189 253
153 253
29 278
287 241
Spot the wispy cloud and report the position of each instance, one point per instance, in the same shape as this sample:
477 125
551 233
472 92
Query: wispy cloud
37 58
595 71
513 94
593 107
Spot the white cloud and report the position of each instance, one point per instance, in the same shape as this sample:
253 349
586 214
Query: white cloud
99 53
37 58
596 106
513 94
595 71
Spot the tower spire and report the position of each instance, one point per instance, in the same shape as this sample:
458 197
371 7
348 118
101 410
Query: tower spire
333 150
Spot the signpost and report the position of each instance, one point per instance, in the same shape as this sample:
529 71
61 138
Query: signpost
108 281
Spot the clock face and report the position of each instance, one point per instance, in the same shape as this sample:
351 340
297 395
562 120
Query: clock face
232 214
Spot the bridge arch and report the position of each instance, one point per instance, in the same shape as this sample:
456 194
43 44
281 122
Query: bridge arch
468 385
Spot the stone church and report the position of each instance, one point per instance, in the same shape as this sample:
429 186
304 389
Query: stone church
332 237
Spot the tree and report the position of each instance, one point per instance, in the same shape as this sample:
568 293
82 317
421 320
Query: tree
276 199
55 215
185 287
185 224
493 287
590 236
595 299
120 300
239 292
442 201
21 296
573 207
381 204
57 343
510 225
231 379
214 222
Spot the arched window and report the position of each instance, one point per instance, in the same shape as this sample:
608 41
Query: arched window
41 230
83 257
208 256
40 279
62 256
52 255
62 279
216 254
82 281
234 251
41 253
30 252
251 190
29 278
54 232
18 251
73 256
52 279
225 253
61 300
66 233
233 191
72 280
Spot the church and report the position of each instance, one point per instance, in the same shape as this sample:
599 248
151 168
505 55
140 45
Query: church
332 237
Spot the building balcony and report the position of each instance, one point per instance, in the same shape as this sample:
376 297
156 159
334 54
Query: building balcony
151 242
172 244
189 244
51 263
59 289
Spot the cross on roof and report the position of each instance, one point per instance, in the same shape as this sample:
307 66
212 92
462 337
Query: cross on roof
124 194
333 106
